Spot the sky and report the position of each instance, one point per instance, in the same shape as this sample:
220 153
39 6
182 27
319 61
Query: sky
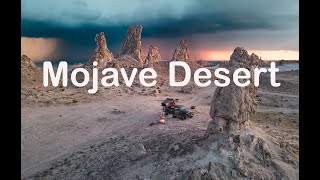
65 30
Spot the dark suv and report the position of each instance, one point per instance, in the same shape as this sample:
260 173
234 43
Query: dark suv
178 111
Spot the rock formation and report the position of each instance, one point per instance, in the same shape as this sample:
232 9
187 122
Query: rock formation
31 75
187 89
255 60
232 106
239 55
101 54
27 63
242 56
242 155
181 53
153 56
132 44
241 151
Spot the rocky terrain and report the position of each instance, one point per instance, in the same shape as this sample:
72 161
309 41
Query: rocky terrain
236 133
243 150
31 75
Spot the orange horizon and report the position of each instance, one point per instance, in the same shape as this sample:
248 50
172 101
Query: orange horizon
39 49
267 55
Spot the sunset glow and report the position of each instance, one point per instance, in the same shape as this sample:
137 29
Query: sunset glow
264 54
39 49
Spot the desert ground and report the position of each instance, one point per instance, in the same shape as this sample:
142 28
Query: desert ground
115 134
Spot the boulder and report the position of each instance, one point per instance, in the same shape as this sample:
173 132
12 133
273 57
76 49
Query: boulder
137 151
187 89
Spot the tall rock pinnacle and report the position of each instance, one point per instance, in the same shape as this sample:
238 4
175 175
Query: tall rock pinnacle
232 106
181 53
101 54
132 44
153 56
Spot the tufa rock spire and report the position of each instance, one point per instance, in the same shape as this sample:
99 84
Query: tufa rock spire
101 54
232 106
153 56
132 43
181 53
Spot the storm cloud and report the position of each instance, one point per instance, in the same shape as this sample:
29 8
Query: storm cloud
77 22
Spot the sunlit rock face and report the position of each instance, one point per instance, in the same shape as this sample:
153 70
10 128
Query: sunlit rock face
27 63
255 60
182 52
232 106
153 56
132 43
101 54
31 74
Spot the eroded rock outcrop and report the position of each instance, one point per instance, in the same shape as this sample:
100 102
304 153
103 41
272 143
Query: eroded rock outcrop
182 52
132 44
153 56
255 60
232 106
31 74
27 63
101 54
241 55
241 150
242 155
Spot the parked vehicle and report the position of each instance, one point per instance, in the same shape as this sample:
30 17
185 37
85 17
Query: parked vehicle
169 107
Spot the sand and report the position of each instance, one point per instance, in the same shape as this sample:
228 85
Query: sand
96 137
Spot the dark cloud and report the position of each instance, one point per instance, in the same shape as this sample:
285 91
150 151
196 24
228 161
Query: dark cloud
165 28
83 15
78 22
78 41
